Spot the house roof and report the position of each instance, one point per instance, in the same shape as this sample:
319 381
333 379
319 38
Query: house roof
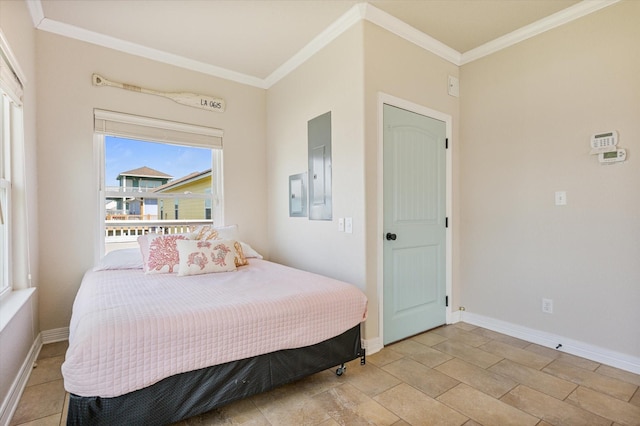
145 171
183 180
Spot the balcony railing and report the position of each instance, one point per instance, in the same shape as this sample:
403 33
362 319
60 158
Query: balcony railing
119 215
119 231
128 189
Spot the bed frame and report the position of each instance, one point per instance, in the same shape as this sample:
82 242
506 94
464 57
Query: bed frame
188 394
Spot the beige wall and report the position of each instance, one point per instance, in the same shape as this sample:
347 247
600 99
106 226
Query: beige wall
66 173
330 81
401 69
527 114
344 78
18 336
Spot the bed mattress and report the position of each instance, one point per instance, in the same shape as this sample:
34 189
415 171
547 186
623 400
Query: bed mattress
130 330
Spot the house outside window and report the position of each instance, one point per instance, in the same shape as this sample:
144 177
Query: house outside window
207 208
142 180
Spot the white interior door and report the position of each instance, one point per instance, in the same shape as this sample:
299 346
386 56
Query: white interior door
414 223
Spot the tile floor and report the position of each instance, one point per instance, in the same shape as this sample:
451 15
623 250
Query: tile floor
454 375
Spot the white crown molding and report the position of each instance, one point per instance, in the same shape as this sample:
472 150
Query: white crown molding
36 12
99 39
360 11
565 16
409 33
342 24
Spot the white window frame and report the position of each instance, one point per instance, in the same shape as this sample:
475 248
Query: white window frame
6 283
109 123
11 145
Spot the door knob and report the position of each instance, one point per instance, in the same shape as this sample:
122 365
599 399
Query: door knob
391 237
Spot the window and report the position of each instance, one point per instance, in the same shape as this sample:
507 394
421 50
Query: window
5 192
11 141
155 176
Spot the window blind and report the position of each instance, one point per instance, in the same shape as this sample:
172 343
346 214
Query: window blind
9 80
152 129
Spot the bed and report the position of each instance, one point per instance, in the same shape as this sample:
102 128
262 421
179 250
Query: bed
158 348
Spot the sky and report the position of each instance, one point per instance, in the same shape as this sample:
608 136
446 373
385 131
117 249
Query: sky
122 155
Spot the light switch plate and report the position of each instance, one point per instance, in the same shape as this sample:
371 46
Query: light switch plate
561 198
348 225
341 224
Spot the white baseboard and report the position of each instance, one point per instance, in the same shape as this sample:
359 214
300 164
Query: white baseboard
455 317
550 340
17 388
373 345
55 335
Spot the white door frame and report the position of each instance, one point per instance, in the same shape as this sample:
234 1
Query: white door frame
384 98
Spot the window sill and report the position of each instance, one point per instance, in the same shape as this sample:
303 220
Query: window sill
11 304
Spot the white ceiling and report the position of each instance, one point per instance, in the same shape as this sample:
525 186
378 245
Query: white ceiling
258 41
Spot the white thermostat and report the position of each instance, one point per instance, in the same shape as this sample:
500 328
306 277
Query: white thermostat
604 142
613 156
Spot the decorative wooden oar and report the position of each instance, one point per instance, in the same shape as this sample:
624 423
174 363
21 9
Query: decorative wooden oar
191 99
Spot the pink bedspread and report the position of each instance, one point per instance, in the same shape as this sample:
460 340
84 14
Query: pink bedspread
130 330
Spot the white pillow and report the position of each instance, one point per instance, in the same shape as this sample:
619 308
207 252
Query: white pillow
204 257
121 259
249 251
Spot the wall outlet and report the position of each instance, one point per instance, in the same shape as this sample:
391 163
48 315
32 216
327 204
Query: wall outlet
547 306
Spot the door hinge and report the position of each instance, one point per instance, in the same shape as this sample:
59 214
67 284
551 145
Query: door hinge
446 222
446 143
446 301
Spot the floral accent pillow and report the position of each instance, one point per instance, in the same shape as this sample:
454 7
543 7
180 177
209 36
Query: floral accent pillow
210 233
204 257
160 253
240 259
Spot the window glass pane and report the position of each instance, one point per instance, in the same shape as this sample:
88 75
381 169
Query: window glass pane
154 187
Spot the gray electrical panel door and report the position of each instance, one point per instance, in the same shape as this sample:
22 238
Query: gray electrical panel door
319 136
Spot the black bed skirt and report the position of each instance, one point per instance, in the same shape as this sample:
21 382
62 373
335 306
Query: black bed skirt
188 394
